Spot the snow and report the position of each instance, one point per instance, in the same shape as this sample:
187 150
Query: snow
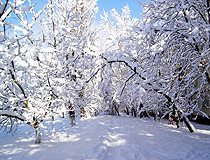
108 137
4 16
11 114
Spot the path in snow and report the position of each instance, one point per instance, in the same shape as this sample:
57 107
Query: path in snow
108 138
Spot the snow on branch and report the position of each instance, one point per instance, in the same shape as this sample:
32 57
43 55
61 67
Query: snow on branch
136 71
11 115
21 88
3 8
128 63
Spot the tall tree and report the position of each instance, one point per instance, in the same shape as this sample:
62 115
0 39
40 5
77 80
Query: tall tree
67 31
18 83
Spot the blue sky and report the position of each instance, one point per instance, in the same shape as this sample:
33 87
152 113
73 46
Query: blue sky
107 5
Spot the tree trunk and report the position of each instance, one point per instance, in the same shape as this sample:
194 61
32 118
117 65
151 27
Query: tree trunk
177 118
127 111
72 121
53 125
117 110
177 122
72 116
134 113
189 124
38 135
63 114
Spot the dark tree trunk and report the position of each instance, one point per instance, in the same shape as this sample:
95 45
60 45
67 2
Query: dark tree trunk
189 124
53 125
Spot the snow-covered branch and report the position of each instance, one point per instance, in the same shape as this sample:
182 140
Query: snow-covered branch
11 114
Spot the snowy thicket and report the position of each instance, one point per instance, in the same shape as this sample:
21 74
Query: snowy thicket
174 42
166 54
154 66
158 65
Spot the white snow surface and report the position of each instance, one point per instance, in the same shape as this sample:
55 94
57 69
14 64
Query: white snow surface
108 138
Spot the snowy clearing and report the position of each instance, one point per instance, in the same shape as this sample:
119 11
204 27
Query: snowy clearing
108 138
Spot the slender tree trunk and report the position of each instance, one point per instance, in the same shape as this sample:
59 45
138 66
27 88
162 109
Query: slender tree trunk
127 110
72 121
177 118
38 135
63 114
117 110
177 122
134 113
72 116
53 125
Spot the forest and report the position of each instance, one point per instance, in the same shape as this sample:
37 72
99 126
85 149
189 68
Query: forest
155 66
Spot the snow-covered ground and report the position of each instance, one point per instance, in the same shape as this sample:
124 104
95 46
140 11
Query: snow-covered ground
108 138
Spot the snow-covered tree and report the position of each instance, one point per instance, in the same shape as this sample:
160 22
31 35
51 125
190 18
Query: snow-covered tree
67 31
17 60
40 75
176 39
117 49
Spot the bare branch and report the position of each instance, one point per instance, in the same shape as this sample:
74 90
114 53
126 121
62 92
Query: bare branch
94 74
126 83
21 88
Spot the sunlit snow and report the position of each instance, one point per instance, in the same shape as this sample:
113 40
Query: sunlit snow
108 138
